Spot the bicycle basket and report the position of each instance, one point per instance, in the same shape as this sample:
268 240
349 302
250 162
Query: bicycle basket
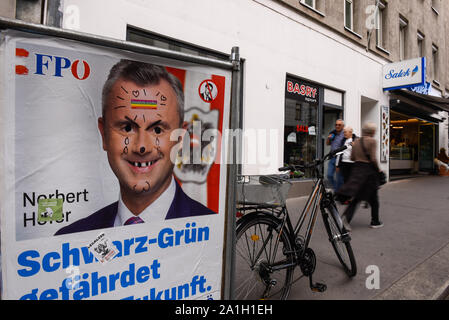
256 189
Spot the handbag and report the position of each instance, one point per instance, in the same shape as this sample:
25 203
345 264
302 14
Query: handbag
381 176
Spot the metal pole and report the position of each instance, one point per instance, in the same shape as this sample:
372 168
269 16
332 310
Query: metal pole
111 43
229 269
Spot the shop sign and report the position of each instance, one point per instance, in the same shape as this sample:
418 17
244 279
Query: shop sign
422 89
404 74
301 91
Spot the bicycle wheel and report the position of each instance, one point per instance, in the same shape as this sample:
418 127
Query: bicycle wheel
340 240
261 250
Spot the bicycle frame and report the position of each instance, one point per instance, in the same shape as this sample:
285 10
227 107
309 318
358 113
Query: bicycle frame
298 252
318 198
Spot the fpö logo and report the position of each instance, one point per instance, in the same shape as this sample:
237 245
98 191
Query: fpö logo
393 74
55 66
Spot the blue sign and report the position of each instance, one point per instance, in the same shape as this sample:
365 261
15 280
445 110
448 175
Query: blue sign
422 89
404 74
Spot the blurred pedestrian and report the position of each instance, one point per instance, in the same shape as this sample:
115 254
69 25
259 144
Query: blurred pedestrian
442 163
344 162
442 156
363 183
335 140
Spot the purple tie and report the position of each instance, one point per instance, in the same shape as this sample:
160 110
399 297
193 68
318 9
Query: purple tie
133 220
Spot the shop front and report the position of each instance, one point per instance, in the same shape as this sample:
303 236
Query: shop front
415 129
310 114
414 133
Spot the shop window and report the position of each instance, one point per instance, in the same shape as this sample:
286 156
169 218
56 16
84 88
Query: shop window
300 126
412 144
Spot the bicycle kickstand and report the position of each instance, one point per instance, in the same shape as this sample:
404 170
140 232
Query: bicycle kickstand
316 287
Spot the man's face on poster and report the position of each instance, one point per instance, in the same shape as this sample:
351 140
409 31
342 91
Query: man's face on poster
136 129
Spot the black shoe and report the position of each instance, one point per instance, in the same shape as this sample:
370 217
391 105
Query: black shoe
376 225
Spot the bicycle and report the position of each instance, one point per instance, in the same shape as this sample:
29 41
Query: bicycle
269 247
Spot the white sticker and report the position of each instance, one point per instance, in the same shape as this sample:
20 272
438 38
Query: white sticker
312 131
103 248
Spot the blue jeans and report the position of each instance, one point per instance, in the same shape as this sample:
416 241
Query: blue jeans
331 172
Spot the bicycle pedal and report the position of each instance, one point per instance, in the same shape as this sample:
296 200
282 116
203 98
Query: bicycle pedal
318 287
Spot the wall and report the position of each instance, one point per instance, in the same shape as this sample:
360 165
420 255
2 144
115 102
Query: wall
272 38
419 14
8 9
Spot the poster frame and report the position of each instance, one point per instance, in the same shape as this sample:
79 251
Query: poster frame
234 64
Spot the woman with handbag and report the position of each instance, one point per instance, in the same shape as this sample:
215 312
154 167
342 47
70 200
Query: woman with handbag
364 181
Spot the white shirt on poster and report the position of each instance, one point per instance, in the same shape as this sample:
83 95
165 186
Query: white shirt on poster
157 211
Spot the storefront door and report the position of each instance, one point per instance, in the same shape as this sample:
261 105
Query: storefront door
426 146
330 116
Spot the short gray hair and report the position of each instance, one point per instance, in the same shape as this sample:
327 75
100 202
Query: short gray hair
369 129
142 73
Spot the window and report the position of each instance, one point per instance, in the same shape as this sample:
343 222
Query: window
381 20
310 3
436 6
300 142
435 62
44 12
318 6
349 14
402 38
152 39
421 37
301 120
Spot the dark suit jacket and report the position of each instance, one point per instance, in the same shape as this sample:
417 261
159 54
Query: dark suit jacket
181 207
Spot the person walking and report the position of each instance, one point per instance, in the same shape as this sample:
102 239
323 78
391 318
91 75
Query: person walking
442 156
335 140
363 183
344 162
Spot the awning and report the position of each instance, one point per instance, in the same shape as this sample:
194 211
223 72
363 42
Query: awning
437 103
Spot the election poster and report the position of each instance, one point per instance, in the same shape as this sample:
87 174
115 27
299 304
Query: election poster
112 182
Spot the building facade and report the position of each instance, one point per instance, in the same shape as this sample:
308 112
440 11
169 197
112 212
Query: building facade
397 31
307 63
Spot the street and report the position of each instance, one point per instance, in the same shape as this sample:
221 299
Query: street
410 252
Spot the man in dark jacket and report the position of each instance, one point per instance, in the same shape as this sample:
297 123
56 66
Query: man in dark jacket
335 140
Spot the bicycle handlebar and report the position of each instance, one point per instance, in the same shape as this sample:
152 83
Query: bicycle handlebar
316 163
334 153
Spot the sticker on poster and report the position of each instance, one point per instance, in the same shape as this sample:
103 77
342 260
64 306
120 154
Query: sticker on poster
208 91
49 210
102 248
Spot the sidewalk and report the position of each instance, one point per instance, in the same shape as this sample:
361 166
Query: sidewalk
411 250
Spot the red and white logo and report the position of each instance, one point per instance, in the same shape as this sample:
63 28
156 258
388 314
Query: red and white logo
208 91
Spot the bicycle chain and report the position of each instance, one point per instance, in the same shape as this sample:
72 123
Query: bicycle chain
307 262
